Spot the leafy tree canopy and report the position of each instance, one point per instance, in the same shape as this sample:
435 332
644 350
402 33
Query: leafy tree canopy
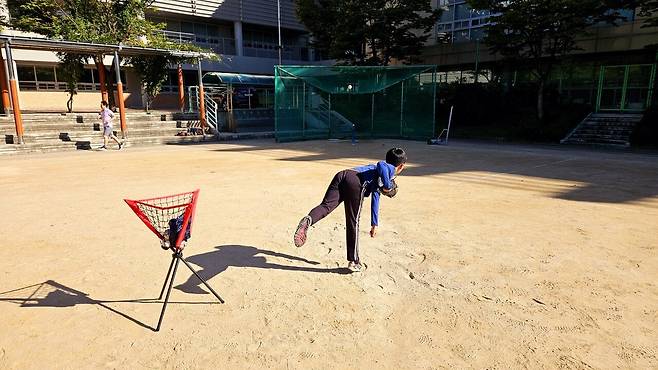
370 32
100 21
539 32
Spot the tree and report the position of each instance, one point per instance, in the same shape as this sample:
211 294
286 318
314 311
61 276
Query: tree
649 9
100 21
71 70
150 69
538 32
368 32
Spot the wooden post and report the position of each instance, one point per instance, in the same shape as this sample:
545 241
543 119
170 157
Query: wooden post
181 89
4 85
122 107
13 86
202 101
101 79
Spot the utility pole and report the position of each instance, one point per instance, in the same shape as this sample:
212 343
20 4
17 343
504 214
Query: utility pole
278 16
477 59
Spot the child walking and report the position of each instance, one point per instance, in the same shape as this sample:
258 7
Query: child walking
351 186
106 116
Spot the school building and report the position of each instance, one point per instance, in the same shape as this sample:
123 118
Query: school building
615 70
244 33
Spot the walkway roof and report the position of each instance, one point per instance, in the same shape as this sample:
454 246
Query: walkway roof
218 78
54 45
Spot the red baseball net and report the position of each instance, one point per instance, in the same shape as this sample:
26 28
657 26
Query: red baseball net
162 213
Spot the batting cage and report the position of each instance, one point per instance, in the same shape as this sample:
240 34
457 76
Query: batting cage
342 102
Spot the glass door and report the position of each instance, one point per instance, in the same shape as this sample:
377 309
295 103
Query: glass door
611 88
638 87
626 88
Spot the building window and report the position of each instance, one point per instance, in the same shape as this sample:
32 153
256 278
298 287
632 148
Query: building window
170 86
477 33
45 78
27 79
87 81
448 14
461 36
462 11
263 42
216 36
628 14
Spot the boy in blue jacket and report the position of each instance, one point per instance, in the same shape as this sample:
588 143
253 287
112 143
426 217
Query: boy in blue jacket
351 186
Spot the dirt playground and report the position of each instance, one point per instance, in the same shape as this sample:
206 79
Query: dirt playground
490 256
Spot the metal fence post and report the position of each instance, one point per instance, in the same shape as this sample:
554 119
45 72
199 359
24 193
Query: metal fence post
401 107
433 101
372 115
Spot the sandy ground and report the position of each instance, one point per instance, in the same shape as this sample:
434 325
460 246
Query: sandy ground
490 257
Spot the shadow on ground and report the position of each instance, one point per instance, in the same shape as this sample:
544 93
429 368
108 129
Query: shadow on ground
60 295
597 176
51 293
215 262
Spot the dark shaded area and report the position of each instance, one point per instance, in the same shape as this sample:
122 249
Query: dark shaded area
603 176
645 134
63 296
493 112
215 262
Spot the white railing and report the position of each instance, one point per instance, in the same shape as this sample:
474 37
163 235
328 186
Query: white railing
271 50
212 118
336 122
221 45
179 37
575 129
212 109
226 45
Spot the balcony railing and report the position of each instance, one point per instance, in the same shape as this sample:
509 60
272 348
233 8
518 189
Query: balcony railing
59 86
221 45
179 37
270 50
224 45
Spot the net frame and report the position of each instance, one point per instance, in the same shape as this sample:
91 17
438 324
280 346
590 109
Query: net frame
156 213
355 101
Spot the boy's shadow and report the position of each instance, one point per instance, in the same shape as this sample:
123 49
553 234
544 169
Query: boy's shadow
225 256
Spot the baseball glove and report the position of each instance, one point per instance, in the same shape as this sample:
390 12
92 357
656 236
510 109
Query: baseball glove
394 190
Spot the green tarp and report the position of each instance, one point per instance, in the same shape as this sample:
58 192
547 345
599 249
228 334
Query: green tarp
338 102
219 78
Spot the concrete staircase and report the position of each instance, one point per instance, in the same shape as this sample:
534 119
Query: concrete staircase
82 131
604 129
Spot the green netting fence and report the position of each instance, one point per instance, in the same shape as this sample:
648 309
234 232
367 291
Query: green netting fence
339 102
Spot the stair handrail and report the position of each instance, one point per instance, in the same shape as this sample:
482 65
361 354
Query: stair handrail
323 106
211 113
576 128
212 108
192 99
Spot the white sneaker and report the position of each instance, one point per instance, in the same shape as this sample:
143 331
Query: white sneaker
356 266
102 148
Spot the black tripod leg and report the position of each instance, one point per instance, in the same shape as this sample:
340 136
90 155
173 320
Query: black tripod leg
171 265
203 281
171 284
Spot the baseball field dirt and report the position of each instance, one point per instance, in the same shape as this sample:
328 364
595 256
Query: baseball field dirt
490 256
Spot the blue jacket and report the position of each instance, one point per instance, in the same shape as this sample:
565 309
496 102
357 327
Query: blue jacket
374 177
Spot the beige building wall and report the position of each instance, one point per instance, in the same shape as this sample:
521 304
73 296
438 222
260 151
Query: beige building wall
164 101
55 101
89 101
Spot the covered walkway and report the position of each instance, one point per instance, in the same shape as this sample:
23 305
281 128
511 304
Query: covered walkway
10 93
